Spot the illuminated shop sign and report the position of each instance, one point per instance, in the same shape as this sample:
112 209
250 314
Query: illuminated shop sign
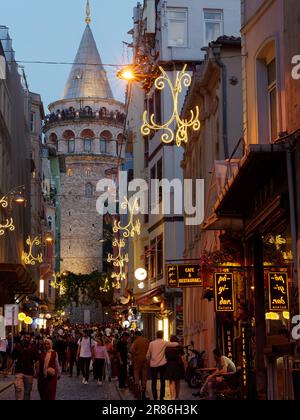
278 292
224 292
183 275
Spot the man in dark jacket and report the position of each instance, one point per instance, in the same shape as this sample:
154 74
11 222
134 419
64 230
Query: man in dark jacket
25 355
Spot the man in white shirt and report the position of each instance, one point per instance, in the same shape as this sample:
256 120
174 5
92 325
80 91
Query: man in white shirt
158 361
84 354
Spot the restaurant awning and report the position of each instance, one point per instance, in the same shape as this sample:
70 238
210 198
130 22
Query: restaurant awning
16 278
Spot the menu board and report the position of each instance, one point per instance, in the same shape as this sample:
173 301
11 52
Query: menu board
224 292
278 292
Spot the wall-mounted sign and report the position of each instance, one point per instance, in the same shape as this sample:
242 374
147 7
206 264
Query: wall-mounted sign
224 292
183 275
278 292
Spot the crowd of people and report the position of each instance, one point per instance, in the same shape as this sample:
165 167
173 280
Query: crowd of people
106 352
71 113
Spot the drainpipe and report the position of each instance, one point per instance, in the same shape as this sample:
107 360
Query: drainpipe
217 52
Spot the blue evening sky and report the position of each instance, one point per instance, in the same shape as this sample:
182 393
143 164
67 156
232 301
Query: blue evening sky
51 30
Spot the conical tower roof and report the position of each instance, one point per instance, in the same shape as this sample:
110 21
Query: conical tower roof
88 78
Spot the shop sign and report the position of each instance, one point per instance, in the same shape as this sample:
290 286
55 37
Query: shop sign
224 292
278 291
183 275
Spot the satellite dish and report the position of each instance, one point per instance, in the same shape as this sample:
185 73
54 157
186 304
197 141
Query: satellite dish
124 300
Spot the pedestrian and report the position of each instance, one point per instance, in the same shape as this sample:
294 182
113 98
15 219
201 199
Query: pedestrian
158 362
175 367
223 365
122 353
25 356
100 356
84 354
138 350
3 353
48 371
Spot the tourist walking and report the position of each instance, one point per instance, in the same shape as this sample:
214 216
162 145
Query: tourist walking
25 356
158 362
100 356
122 352
48 371
138 350
175 367
84 354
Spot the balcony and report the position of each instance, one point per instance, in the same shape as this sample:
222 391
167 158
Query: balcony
83 114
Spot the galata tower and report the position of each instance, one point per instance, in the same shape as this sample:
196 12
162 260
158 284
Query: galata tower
85 128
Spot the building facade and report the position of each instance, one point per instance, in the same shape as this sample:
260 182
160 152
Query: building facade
167 34
16 279
217 88
257 205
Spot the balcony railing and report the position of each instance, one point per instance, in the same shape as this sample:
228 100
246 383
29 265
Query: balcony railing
85 113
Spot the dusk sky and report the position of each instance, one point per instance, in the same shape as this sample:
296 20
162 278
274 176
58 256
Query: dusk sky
51 31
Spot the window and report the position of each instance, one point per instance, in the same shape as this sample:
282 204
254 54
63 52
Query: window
147 258
272 92
87 145
177 28
71 146
213 25
70 172
153 259
50 222
89 190
146 151
88 173
33 122
103 146
159 176
159 251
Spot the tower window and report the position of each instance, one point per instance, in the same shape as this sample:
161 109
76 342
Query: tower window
88 190
87 145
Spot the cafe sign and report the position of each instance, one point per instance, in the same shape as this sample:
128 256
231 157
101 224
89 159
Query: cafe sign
183 275
278 291
224 292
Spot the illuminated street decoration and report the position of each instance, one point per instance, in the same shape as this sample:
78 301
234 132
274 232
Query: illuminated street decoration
132 227
106 286
120 259
277 240
16 194
184 79
29 258
9 224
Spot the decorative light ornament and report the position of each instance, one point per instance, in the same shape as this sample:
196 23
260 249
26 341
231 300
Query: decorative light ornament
21 316
120 259
184 79
16 194
132 227
9 224
106 286
29 258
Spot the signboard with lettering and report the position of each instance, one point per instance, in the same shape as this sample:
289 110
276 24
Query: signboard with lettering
278 292
224 292
183 275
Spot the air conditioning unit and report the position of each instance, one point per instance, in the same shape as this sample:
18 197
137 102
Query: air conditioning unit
150 17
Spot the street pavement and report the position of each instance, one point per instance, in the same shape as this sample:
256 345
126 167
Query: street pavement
72 389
